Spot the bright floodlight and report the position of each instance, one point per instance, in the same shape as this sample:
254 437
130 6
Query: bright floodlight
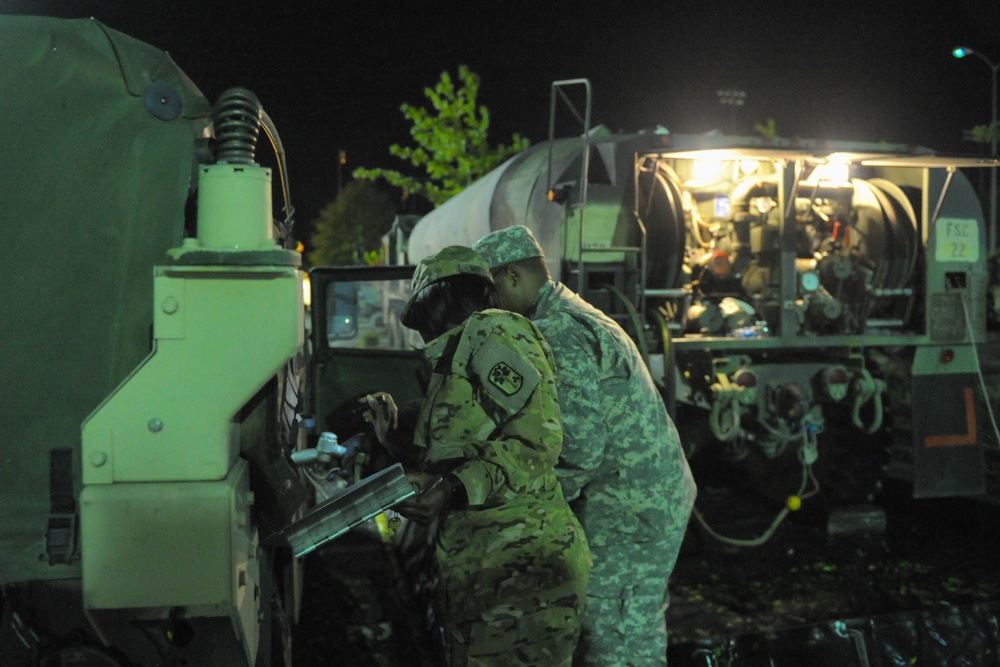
961 51
707 170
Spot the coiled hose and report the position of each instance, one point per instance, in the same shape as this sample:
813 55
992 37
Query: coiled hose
237 120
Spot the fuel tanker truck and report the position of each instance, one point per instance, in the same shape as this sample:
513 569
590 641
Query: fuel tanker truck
794 298
152 318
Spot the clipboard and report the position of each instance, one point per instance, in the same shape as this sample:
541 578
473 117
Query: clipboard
335 516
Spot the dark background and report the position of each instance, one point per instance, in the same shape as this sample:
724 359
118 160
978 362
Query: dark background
332 75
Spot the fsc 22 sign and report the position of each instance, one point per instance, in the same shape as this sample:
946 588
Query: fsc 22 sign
957 240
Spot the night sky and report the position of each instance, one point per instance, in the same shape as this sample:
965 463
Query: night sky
332 74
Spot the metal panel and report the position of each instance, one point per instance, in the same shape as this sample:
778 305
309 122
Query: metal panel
163 544
947 452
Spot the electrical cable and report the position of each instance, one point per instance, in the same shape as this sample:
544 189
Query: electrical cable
279 151
309 476
807 475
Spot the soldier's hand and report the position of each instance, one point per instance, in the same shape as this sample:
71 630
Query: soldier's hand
432 498
380 412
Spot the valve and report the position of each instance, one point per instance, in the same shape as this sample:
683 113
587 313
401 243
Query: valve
867 388
325 451
724 418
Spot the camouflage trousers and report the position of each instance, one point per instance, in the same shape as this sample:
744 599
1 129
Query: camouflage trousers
512 601
624 624
540 639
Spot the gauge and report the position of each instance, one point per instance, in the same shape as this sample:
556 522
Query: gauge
809 280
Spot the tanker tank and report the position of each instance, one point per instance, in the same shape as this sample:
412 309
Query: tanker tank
522 192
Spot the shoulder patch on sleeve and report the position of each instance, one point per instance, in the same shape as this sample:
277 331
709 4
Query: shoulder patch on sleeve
506 377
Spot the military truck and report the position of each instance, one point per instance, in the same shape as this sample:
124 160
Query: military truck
152 337
812 310
806 305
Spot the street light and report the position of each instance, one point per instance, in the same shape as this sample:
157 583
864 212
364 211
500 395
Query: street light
961 52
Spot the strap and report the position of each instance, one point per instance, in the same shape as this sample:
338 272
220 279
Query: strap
61 481
60 527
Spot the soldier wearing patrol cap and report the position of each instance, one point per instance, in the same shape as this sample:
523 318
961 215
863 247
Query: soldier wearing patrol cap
621 467
514 560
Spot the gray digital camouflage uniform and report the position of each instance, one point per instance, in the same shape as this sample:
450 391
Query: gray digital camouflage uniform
622 468
515 563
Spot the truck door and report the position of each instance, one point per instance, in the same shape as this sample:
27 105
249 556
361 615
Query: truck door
359 345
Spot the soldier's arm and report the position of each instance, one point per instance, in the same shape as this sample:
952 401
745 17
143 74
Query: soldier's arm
584 438
515 386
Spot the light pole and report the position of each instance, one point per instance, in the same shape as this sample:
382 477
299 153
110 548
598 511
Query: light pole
961 52
341 161
733 99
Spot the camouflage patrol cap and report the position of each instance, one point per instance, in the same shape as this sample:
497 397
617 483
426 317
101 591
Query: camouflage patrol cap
450 261
508 245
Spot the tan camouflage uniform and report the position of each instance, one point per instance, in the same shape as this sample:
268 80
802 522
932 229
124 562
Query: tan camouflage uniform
621 467
515 563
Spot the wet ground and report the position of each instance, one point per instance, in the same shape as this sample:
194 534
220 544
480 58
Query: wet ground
933 560
908 561
884 581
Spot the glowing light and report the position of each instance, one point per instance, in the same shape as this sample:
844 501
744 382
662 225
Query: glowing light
835 171
707 170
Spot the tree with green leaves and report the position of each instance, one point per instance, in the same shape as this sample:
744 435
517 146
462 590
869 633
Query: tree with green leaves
984 134
768 130
451 141
349 229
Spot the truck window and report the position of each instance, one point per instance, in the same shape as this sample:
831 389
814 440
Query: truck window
364 314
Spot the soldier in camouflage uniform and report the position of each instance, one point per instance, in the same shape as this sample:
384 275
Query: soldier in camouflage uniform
514 560
622 467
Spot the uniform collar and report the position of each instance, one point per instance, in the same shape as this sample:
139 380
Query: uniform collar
434 349
540 303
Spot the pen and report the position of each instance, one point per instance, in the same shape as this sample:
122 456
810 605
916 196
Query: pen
433 484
